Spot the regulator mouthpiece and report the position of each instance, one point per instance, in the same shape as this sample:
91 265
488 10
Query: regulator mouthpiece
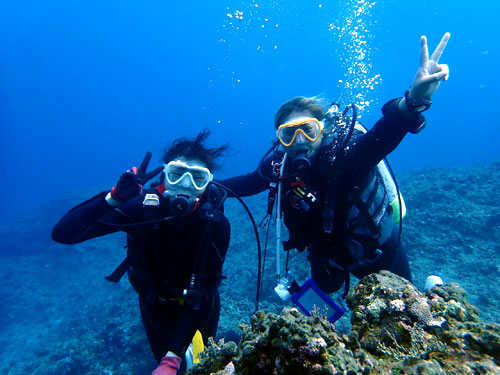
301 162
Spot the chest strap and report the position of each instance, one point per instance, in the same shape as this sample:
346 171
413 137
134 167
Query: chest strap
119 271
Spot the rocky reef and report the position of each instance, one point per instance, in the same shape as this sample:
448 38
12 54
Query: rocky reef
396 329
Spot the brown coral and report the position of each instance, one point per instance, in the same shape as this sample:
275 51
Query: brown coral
393 325
421 310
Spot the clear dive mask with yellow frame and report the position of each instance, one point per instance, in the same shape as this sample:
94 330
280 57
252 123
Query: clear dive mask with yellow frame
187 176
308 127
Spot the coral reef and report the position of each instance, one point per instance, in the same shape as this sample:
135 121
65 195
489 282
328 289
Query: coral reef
396 329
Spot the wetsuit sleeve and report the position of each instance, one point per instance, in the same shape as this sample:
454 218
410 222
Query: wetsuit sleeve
246 185
251 183
90 219
369 149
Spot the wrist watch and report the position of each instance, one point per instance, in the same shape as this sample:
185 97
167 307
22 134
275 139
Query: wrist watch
417 106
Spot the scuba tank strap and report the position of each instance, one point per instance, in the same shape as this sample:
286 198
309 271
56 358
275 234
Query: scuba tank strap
131 258
199 264
119 271
373 192
210 212
151 215
331 198
363 209
343 126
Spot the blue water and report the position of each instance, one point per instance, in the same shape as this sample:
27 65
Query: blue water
86 87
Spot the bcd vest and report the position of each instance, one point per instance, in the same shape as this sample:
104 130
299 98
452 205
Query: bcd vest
364 217
373 210
153 277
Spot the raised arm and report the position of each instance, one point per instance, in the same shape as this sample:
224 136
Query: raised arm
429 74
98 216
403 115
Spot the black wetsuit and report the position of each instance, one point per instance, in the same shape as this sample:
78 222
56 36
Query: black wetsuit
331 261
161 259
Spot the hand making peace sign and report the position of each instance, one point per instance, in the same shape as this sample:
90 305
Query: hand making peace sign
429 73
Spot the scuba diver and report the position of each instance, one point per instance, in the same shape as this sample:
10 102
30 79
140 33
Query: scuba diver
177 239
328 178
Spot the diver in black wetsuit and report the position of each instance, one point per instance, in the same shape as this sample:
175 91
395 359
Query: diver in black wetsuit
177 237
338 199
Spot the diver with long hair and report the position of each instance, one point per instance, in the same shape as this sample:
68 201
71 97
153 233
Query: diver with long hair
177 239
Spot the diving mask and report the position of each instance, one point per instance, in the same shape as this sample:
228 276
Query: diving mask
308 127
187 176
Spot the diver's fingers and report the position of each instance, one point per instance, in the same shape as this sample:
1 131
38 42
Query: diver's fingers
132 170
145 163
424 52
148 176
437 73
438 70
436 77
436 55
446 70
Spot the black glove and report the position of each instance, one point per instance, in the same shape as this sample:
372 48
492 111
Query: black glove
127 187
130 183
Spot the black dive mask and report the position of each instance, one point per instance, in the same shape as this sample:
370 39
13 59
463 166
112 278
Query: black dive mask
301 162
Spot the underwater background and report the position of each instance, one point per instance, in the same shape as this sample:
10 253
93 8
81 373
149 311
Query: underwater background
87 87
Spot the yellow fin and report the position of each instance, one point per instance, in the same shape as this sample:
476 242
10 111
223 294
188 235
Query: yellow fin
197 346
